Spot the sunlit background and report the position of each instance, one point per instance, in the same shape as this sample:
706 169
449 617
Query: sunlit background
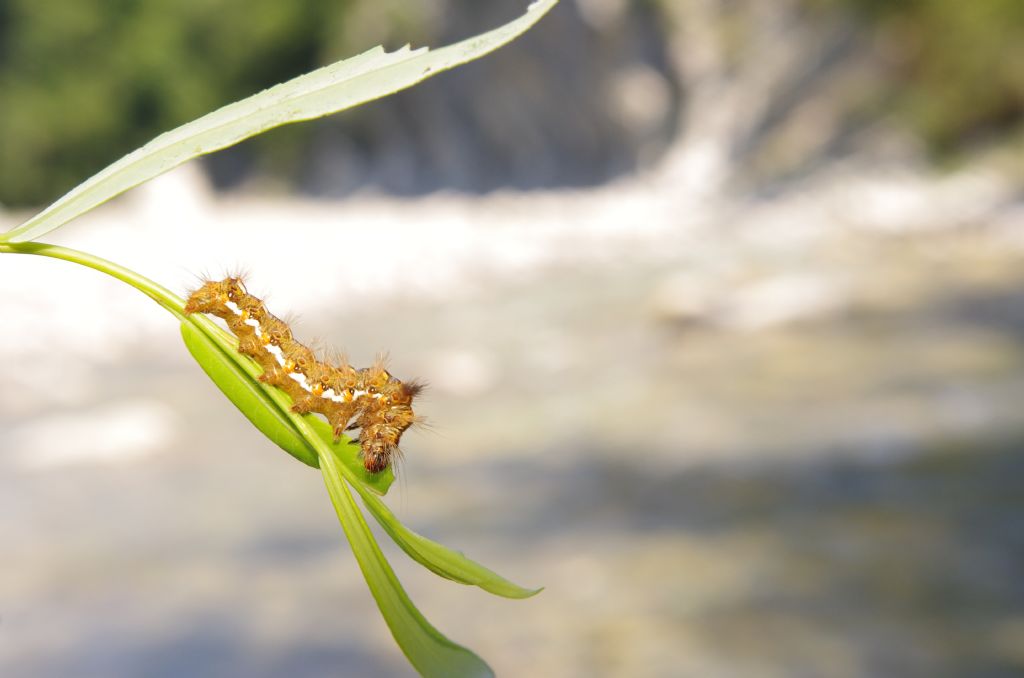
721 303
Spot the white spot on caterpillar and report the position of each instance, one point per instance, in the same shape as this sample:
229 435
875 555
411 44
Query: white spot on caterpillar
276 352
300 379
233 307
329 394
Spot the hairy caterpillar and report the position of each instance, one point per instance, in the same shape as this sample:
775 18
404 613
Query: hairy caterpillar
369 399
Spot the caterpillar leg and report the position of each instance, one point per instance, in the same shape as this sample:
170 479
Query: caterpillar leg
250 345
275 376
306 404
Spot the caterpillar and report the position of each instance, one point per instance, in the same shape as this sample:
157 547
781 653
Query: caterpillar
369 399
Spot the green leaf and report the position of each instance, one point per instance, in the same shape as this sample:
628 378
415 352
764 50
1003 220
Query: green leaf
247 395
268 408
440 559
327 90
429 651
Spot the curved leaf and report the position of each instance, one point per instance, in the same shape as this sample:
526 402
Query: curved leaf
247 395
440 559
327 90
268 409
429 651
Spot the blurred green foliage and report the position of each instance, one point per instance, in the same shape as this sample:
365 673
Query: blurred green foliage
85 81
956 67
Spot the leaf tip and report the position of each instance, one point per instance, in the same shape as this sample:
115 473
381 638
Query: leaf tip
530 593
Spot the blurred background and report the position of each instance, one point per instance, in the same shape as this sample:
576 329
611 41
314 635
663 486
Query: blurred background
721 303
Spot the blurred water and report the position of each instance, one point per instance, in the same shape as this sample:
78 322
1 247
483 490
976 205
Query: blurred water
724 451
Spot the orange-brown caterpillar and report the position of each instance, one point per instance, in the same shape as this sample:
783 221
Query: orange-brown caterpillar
369 399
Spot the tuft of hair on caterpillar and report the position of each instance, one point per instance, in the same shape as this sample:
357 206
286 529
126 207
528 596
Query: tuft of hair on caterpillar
369 399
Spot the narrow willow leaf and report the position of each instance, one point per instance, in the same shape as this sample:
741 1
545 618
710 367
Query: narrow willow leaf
236 376
440 559
247 395
327 90
429 651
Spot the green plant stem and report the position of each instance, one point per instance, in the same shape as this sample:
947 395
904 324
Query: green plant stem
154 291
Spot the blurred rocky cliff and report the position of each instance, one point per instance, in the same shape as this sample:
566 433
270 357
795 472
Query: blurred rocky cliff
721 93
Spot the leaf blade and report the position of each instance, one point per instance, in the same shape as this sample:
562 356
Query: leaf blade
344 84
428 650
246 395
438 558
